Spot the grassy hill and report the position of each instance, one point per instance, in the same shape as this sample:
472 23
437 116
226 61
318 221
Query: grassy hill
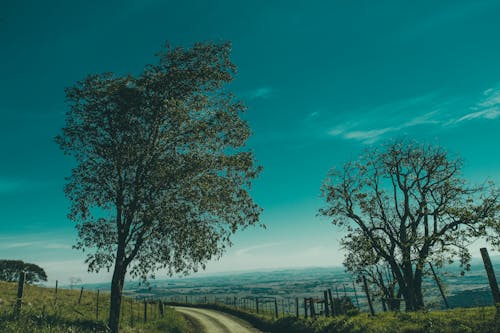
45 311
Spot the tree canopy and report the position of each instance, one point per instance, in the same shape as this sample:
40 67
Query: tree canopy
162 177
403 206
10 270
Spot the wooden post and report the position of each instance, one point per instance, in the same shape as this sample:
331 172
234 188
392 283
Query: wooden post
55 296
305 308
160 307
438 282
332 305
145 310
131 312
325 295
312 308
491 276
80 298
275 308
365 284
96 306
296 307
257 305
355 293
20 291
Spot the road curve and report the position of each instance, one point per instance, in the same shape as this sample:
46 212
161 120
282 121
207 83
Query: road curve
216 322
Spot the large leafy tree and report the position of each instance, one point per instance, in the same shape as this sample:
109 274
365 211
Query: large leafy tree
162 176
10 270
405 205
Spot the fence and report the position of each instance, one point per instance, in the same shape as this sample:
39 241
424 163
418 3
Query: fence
73 307
94 306
340 299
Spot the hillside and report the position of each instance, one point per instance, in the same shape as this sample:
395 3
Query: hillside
44 310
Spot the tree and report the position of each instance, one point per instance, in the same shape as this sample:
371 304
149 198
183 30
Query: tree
162 177
406 205
10 270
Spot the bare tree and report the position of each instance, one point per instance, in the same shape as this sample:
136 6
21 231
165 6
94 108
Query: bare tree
409 204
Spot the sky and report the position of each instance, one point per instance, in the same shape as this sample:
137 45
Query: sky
323 80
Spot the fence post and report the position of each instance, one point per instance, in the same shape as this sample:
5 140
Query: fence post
20 291
55 296
493 285
297 307
257 304
131 312
145 310
332 305
372 312
275 308
312 308
97 306
355 293
491 275
439 285
325 295
160 307
305 307
80 298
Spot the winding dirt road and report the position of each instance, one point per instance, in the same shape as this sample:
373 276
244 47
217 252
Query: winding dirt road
211 321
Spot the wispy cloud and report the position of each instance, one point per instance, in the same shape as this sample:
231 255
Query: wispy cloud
260 93
488 107
374 124
15 245
255 247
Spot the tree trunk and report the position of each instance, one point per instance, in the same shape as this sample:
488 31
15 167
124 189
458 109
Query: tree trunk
417 290
116 291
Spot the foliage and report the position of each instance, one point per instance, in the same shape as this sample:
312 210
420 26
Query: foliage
405 206
10 270
162 177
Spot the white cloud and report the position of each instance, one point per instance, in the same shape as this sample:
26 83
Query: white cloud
15 245
488 107
492 113
370 125
369 135
260 93
255 247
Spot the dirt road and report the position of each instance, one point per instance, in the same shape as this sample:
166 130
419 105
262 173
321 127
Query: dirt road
211 321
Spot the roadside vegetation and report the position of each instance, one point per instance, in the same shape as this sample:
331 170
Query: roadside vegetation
462 320
42 311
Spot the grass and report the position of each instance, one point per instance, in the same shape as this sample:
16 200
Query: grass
460 320
44 311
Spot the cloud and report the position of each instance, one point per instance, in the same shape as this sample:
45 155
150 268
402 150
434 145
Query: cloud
369 135
488 107
260 93
15 245
371 125
255 247
492 113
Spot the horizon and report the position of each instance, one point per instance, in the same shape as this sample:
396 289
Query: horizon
322 82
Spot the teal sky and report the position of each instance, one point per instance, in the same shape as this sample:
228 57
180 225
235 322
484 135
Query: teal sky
323 80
